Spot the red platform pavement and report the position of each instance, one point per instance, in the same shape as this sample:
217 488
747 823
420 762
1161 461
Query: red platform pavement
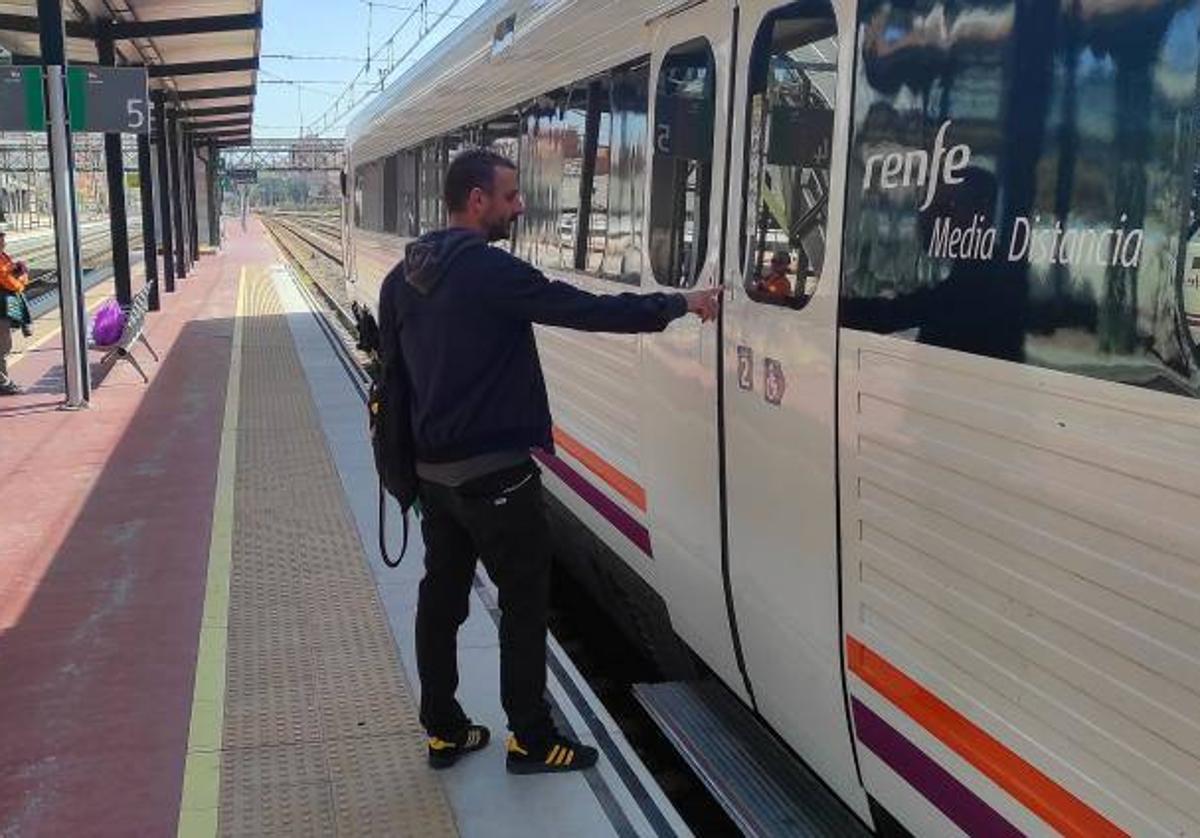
104 538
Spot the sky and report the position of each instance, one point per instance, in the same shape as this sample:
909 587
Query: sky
313 49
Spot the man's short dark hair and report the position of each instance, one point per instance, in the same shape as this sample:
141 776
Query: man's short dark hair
474 168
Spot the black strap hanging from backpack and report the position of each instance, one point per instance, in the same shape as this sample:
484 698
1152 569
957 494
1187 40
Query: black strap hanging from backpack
389 414
383 550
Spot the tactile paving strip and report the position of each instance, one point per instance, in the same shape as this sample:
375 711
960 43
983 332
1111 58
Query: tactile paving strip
321 733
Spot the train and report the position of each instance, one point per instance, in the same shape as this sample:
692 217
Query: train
927 499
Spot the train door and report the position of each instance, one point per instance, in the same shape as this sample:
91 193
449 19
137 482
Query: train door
690 77
790 124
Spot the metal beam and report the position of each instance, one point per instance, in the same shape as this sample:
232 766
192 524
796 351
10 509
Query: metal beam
66 214
25 23
149 241
126 29
209 93
177 188
165 201
196 68
199 127
217 130
220 110
193 206
214 208
114 164
231 130
226 138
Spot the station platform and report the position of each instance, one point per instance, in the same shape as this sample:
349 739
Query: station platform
197 635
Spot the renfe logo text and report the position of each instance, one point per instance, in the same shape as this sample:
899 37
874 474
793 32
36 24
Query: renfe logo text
1032 240
920 168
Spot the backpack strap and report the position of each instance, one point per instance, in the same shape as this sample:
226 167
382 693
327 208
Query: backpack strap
383 550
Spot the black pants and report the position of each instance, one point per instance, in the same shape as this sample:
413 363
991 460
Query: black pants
499 518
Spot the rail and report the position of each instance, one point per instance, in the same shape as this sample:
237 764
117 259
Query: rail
316 254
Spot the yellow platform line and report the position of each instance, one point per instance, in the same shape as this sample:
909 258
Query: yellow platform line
199 807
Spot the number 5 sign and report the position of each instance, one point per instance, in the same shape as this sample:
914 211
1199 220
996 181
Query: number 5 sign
108 100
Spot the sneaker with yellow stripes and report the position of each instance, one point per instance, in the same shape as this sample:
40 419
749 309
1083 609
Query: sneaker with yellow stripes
554 755
445 752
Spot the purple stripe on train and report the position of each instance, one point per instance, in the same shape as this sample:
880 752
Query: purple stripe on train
937 785
600 502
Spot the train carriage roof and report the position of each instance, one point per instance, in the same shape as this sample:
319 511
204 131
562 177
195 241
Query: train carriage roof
477 72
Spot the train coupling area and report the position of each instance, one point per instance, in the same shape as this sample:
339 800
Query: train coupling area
194 638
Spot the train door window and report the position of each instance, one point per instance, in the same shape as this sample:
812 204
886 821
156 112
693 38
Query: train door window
371 198
681 179
390 193
358 197
793 80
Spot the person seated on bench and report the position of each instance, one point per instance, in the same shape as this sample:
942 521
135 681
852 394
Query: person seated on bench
13 279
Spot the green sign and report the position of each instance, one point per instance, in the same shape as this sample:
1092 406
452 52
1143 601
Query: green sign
22 100
109 100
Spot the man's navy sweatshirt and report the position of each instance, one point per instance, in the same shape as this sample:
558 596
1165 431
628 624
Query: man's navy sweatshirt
458 314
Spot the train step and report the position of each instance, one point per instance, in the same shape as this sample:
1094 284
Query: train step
763 788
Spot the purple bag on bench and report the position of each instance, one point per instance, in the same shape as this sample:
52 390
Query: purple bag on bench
108 323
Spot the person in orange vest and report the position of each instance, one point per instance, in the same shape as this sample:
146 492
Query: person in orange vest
776 286
13 279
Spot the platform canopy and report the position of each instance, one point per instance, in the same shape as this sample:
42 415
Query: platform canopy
202 55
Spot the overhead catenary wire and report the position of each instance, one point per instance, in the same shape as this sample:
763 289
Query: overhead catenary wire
340 110
283 56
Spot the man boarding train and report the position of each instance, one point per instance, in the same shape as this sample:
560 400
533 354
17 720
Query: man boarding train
458 315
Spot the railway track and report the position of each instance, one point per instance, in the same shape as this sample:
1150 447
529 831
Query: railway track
318 253
40 254
582 627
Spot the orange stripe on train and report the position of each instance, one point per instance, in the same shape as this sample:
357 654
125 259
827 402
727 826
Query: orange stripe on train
1041 795
624 485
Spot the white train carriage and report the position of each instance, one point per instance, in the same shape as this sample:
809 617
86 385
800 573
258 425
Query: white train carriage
926 498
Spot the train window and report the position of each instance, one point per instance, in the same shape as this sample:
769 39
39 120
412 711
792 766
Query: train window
390 193
681 178
793 81
431 170
614 222
502 135
1038 213
406 194
552 158
567 151
536 242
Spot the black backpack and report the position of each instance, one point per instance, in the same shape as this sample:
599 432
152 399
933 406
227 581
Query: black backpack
389 417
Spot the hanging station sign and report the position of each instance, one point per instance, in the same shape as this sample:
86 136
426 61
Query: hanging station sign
109 100
103 100
22 100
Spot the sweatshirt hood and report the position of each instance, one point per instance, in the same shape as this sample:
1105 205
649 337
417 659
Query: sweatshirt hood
428 258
